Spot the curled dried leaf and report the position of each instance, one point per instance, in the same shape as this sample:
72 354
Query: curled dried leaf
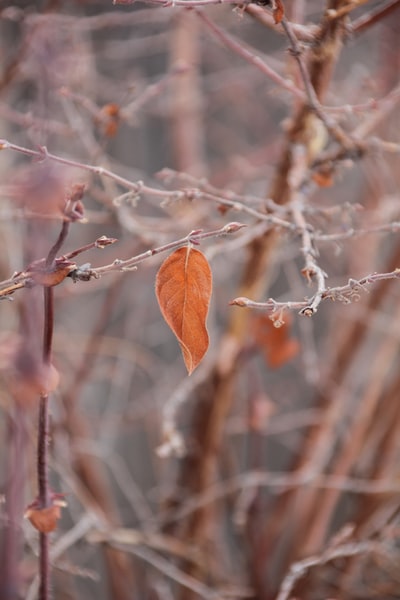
50 276
45 519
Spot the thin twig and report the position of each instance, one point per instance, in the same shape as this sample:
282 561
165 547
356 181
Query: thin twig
86 273
332 14
280 482
242 50
385 106
43 446
58 244
173 3
393 227
369 19
305 33
346 294
42 154
166 567
73 535
193 237
334 129
311 269
301 568
137 187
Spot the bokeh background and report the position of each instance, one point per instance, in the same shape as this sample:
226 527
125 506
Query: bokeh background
283 445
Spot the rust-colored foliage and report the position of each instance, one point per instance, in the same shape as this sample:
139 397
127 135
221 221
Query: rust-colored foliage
45 519
323 178
30 379
183 289
273 339
110 119
40 190
278 11
50 276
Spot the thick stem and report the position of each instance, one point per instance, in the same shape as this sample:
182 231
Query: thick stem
44 567
42 452
42 447
48 324
43 424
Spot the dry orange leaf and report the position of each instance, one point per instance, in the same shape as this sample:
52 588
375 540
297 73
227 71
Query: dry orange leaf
45 519
109 119
53 275
278 11
323 178
275 342
183 289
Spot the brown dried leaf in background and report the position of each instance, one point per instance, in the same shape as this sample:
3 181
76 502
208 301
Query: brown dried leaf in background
109 119
40 190
323 177
278 11
275 341
183 289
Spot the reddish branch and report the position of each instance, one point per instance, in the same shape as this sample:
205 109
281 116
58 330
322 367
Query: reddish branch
43 439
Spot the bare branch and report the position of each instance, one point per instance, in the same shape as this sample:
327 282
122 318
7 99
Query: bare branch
39 274
374 16
334 129
301 568
346 294
242 50
312 269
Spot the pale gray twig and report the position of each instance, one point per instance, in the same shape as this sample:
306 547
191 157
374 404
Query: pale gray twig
334 129
280 482
86 273
245 52
300 569
311 269
347 293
